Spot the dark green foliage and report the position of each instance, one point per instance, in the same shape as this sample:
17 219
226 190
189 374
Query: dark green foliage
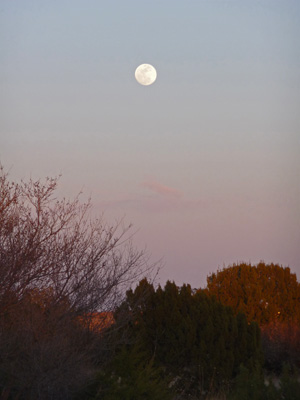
130 376
191 335
289 385
248 386
251 386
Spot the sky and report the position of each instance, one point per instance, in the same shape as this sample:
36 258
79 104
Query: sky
205 163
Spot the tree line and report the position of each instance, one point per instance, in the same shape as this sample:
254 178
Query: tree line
81 317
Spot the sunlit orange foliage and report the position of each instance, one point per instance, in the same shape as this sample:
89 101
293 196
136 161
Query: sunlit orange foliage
265 293
98 321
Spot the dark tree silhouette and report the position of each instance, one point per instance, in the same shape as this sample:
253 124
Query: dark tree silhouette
197 341
58 267
270 295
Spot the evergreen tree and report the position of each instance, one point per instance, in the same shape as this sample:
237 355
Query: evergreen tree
269 295
191 336
265 293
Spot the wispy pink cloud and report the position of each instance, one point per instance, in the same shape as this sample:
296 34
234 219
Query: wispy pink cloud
162 189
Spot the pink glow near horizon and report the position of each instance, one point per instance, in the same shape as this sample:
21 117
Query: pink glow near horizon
205 163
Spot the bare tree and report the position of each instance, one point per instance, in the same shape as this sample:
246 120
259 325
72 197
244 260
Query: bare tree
57 267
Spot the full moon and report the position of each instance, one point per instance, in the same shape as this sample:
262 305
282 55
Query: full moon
145 74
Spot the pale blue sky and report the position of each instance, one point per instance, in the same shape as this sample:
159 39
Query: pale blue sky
205 162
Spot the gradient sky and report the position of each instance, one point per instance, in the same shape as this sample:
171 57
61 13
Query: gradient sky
205 162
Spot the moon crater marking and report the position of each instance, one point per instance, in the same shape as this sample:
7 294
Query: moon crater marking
145 74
